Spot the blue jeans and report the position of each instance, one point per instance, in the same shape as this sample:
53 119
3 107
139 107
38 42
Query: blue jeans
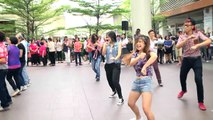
4 95
25 75
90 56
96 66
142 84
21 77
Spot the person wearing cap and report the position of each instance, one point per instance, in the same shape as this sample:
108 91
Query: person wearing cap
192 59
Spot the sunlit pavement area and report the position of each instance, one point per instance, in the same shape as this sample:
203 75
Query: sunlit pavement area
71 93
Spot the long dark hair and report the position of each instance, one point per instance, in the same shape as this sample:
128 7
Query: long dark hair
2 36
112 35
94 38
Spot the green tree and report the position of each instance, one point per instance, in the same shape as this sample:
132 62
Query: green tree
156 17
98 10
31 14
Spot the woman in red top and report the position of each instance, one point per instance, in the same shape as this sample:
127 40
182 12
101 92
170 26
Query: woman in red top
89 50
96 46
77 50
43 53
34 53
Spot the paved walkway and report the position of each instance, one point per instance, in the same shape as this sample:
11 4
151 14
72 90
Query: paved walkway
71 93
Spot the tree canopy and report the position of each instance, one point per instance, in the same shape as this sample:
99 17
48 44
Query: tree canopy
98 10
156 17
31 14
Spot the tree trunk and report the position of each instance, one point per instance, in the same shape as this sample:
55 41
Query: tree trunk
98 18
33 29
97 28
28 19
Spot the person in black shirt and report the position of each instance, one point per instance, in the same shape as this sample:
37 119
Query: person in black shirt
23 62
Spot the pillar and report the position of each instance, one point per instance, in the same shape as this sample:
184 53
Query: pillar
141 15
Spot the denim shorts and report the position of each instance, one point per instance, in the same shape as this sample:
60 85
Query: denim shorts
142 84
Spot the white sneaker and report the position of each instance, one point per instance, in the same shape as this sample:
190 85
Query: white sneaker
24 88
21 88
4 109
135 119
120 101
17 91
28 85
112 95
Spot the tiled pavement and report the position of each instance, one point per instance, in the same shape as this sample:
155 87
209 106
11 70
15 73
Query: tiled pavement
71 93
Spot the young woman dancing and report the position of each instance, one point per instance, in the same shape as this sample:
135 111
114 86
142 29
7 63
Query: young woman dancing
141 60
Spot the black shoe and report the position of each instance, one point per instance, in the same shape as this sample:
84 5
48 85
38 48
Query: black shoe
97 79
10 103
160 84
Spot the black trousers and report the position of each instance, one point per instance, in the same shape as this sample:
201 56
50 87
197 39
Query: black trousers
52 58
194 63
77 56
59 55
35 59
14 74
44 60
160 54
113 72
4 94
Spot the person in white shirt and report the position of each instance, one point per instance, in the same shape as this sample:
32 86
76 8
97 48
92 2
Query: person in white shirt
66 48
59 47
85 53
51 46
24 71
124 42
